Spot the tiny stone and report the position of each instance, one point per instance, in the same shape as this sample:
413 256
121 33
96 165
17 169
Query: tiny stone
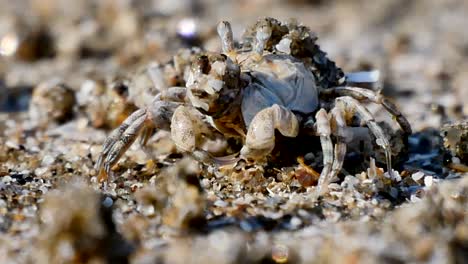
295 222
309 157
428 180
280 253
205 183
220 203
43 189
11 144
147 210
47 160
7 179
456 160
396 175
107 202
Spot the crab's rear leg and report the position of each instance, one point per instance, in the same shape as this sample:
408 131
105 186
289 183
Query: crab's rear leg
323 129
260 139
338 124
353 106
366 94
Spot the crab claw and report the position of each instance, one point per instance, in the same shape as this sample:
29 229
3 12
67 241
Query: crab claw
119 141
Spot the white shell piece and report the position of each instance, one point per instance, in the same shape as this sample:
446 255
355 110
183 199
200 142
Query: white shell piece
284 46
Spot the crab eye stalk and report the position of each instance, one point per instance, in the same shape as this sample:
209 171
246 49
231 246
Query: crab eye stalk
263 35
225 33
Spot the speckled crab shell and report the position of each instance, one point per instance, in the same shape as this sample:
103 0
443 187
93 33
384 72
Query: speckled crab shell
279 79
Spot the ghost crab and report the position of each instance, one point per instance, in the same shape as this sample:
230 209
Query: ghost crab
276 80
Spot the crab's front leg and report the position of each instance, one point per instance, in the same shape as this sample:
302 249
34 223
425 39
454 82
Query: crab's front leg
260 139
157 115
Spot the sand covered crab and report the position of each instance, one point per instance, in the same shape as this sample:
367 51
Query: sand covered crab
277 79
455 136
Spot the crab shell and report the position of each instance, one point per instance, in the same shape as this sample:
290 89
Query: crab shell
218 89
278 79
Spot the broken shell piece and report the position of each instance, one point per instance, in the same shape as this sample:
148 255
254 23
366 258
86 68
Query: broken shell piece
363 77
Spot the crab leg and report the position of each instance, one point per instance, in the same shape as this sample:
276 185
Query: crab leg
187 128
117 134
123 143
172 94
324 130
338 124
260 139
362 94
352 105
157 115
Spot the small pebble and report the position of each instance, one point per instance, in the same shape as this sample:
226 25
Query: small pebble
47 160
147 210
280 253
6 179
428 180
220 203
295 222
205 183
43 189
456 160
11 144
417 176
108 202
